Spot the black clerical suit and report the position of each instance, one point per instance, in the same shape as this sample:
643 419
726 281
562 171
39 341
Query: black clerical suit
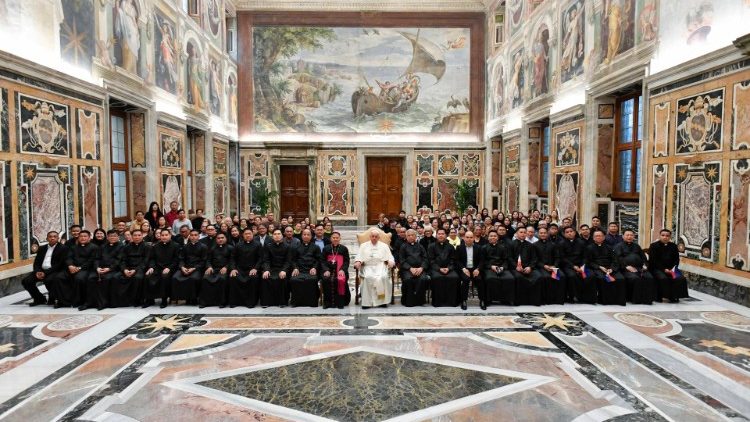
127 291
427 241
665 256
185 286
553 291
99 285
500 285
336 289
274 291
571 256
610 292
413 288
445 287
72 290
462 263
244 289
163 256
304 286
641 288
52 275
213 290
528 285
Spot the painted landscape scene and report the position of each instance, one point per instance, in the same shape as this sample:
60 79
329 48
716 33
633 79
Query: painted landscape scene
361 80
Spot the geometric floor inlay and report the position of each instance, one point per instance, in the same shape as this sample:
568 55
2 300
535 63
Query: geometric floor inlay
360 386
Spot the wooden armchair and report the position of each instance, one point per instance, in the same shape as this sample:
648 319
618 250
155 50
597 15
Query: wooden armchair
365 237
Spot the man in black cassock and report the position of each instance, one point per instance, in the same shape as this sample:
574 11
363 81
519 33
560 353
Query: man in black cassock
244 279
602 264
83 259
523 262
163 264
663 258
468 263
499 284
413 266
219 263
641 288
548 264
49 268
134 256
335 281
277 264
192 262
306 270
444 281
572 251
106 274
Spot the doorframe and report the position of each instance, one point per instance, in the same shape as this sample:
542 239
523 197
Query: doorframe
407 175
275 182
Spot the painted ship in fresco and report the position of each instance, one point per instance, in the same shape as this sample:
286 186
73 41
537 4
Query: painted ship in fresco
397 97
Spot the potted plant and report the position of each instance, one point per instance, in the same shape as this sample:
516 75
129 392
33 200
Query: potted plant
263 198
465 195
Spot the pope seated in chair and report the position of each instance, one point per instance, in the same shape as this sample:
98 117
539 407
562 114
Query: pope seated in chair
374 262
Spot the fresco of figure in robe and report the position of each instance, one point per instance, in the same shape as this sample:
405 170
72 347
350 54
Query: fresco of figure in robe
214 86
195 77
571 59
166 54
618 28
125 14
540 62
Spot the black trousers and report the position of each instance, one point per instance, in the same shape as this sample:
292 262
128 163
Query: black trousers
413 289
610 292
157 286
213 290
445 288
585 288
126 290
499 287
51 280
466 282
185 287
641 287
244 290
528 287
304 290
668 287
98 288
274 291
553 291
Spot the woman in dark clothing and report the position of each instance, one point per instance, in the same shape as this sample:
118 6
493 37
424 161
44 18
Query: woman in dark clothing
153 214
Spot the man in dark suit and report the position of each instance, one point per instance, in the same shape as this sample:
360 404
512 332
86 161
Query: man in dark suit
49 268
468 263
663 258
82 262
263 239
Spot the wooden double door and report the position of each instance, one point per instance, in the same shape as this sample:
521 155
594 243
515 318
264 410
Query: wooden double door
384 187
294 195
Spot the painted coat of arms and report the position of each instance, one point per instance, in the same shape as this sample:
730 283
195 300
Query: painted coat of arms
44 126
699 121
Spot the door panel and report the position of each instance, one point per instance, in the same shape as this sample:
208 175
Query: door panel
384 187
294 195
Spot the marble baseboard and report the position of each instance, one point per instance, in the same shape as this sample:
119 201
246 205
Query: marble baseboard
11 285
720 288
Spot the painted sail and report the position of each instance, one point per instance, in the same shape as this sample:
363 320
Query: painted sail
427 57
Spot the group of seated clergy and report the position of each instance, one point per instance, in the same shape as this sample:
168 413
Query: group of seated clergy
204 272
515 271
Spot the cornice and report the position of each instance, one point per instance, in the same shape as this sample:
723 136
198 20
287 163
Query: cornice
362 5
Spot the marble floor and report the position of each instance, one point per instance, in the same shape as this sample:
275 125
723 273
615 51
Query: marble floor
680 362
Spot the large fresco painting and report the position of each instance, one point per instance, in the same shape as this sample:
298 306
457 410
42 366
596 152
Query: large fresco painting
573 51
77 32
126 15
166 53
361 80
618 28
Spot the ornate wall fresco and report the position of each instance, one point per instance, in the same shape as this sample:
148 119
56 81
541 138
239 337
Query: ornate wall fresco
90 197
88 126
512 193
171 190
167 53
567 148
137 140
626 215
517 83
539 61
496 101
172 162
662 115
221 176
604 160
573 42
567 195
170 151
77 32
361 80
215 86
195 66
213 21
255 171
697 199
128 48
566 168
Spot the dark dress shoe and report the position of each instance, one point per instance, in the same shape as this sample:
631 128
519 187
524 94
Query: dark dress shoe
222 306
463 305
483 305
163 304
201 306
38 302
82 308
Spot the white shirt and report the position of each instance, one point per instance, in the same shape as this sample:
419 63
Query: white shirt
470 257
47 263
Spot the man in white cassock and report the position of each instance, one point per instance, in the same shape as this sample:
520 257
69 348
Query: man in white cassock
374 262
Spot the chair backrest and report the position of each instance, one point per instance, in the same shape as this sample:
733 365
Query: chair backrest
365 236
